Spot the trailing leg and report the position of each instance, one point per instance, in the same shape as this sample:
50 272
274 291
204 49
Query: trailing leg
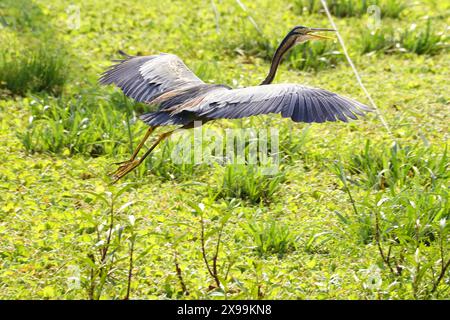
133 163
140 145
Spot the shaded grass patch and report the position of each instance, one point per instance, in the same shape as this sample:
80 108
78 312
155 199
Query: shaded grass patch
22 15
249 182
271 238
43 69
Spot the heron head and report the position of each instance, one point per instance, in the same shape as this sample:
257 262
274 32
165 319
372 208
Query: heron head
297 35
302 34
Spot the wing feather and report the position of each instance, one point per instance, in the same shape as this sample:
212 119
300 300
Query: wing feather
300 103
166 80
320 117
309 117
143 78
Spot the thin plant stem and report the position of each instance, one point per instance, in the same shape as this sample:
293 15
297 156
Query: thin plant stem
441 276
179 274
202 240
380 248
212 272
130 269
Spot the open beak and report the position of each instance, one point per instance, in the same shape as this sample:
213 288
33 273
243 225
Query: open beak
318 36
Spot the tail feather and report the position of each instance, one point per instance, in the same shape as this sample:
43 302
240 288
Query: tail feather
124 54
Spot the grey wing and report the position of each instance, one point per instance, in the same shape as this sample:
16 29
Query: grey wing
143 78
300 103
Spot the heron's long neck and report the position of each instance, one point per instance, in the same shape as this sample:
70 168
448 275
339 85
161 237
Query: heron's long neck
284 46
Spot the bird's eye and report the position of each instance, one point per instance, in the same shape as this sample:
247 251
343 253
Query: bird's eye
299 30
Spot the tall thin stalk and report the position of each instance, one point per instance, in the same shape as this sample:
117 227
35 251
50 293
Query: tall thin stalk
179 274
213 271
130 267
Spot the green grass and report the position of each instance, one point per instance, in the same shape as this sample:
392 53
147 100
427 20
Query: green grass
409 182
22 15
83 124
380 167
310 56
352 8
43 69
273 238
424 38
381 40
352 213
315 56
249 182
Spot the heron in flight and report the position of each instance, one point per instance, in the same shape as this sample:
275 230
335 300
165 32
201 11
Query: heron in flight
182 98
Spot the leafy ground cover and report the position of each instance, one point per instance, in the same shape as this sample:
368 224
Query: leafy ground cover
352 213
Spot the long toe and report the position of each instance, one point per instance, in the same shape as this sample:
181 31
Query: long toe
124 170
118 170
123 162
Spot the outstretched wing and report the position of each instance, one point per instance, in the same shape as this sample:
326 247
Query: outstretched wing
300 103
143 78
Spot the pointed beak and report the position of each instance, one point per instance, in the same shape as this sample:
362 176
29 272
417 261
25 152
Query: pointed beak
318 36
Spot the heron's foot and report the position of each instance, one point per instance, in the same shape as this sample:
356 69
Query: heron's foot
124 169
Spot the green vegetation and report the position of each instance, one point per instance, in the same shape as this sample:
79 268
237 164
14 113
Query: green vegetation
249 182
423 41
352 8
315 56
271 238
418 39
82 124
351 213
38 70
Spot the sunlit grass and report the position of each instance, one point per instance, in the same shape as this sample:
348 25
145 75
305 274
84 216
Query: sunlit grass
352 8
349 213
420 39
84 124
249 182
315 56
406 214
271 238
424 39
380 40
